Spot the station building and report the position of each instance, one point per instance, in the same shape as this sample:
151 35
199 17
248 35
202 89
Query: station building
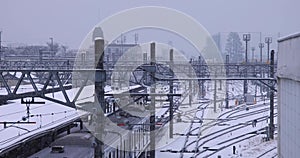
288 75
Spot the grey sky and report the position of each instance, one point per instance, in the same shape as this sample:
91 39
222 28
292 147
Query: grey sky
68 21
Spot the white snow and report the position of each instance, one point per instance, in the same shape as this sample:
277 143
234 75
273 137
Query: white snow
250 147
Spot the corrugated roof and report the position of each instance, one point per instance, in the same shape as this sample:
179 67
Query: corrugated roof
291 36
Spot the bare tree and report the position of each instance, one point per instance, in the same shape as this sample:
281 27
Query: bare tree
234 47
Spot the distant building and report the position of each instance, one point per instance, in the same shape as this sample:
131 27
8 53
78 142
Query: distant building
288 74
230 44
114 51
217 39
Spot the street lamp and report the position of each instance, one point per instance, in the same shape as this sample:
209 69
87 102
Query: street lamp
246 38
268 40
253 49
261 45
51 48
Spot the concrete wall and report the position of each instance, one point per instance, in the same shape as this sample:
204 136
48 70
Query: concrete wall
288 74
289 57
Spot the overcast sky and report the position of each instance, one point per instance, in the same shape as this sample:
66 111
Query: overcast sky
68 21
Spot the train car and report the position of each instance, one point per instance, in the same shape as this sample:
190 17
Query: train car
72 145
249 99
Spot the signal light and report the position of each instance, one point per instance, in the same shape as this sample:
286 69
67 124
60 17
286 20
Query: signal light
121 124
24 118
158 123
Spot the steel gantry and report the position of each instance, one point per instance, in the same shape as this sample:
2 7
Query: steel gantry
45 81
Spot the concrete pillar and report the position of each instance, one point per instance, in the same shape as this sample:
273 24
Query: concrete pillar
152 106
99 98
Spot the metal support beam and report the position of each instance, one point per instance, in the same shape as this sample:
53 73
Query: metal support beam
246 38
62 88
272 127
47 81
32 82
5 123
269 85
152 106
5 83
171 97
142 94
19 83
80 89
0 45
217 78
190 87
215 94
226 85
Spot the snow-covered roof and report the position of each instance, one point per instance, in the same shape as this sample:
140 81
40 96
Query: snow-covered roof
288 56
288 37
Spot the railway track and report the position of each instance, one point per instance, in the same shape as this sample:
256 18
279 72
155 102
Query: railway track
186 144
230 129
263 154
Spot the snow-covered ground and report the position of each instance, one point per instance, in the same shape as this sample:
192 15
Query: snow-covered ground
199 131
45 116
219 131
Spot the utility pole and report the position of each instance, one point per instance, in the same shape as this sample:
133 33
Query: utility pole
246 38
190 83
201 84
145 74
226 83
0 46
152 106
198 74
171 97
268 40
253 49
261 45
51 47
99 104
215 93
271 126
